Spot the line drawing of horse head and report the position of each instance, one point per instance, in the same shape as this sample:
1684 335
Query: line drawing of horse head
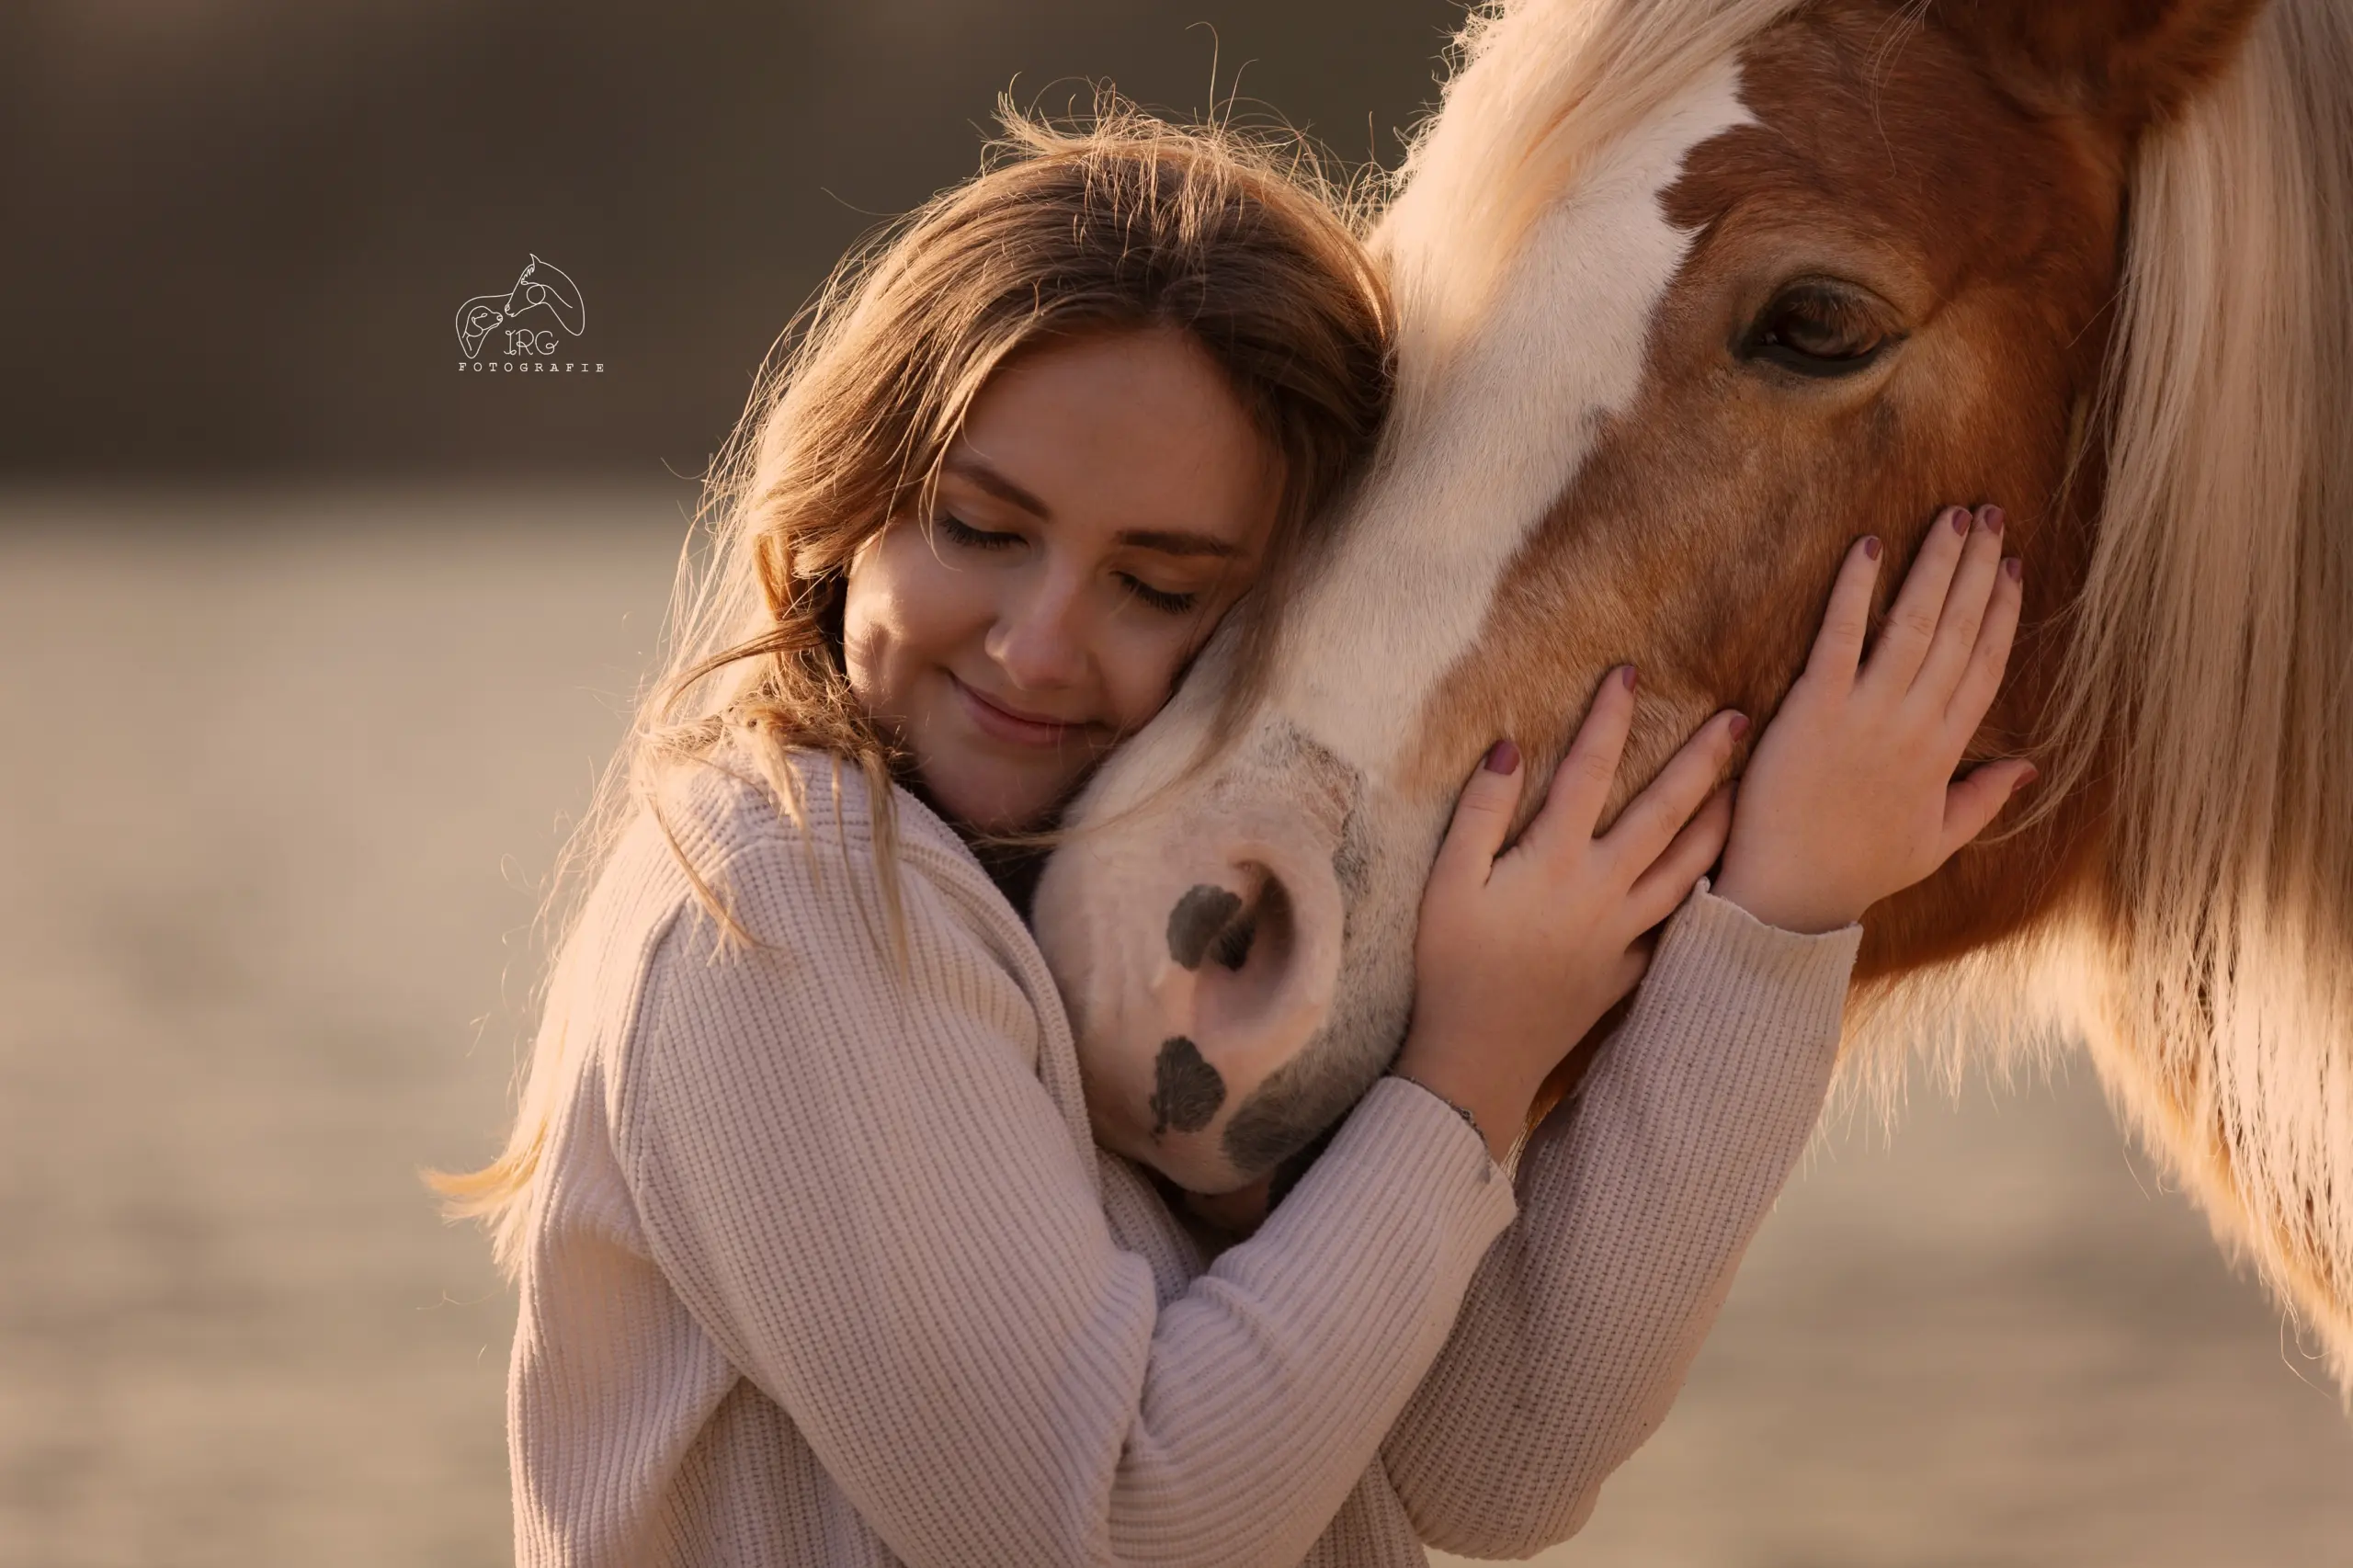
542 285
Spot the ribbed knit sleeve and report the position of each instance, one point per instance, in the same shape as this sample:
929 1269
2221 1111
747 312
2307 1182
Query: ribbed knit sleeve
852 1176
1637 1199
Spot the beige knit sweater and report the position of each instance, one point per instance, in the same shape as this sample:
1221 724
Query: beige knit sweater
825 1268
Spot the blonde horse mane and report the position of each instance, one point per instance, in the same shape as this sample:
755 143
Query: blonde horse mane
1537 90
2208 678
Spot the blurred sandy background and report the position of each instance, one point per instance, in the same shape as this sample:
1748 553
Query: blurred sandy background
308 646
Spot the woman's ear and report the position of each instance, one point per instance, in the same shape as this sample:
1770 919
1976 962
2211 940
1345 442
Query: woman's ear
2125 63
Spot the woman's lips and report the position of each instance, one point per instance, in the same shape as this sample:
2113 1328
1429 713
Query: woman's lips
1006 724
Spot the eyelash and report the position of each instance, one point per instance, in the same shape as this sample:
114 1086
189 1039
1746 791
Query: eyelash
965 536
1158 599
962 533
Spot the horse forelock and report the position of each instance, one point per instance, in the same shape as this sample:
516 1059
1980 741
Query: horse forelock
1540 88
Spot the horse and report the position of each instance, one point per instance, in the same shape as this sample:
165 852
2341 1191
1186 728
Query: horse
1690 294
542 285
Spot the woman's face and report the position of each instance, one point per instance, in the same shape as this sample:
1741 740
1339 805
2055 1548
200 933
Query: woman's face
1108 502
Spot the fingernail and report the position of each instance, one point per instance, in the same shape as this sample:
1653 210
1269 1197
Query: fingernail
1871 547
1739 725
1629 677
1959 517
2029 777
2014 567
1993 517
1502 757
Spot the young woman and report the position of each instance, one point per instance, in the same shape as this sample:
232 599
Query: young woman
819 1264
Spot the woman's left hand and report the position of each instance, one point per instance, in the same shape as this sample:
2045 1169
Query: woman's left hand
1850 795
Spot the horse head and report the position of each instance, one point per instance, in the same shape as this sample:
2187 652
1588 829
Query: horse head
1692 295
544 284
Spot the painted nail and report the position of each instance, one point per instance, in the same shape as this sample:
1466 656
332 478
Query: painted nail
1871 547
1502 757
1959 516
1629 677
1739 725
2016 568
2029 777
1993 517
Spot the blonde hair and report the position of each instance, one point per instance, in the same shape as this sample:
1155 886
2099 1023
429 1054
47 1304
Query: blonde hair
1238 239
2211 665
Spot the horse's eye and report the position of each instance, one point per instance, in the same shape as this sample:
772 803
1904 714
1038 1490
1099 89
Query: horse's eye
1817 328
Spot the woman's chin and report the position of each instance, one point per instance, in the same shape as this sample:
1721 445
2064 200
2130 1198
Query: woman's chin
991 801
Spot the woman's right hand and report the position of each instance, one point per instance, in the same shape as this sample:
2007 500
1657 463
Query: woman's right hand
1522 949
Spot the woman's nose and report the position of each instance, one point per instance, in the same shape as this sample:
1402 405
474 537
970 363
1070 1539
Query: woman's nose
1040 639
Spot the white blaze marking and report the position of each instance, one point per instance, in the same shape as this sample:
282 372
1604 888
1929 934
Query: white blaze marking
1408 588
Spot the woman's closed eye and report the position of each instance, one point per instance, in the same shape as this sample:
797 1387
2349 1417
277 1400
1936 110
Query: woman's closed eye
965 536
958 533
1159 600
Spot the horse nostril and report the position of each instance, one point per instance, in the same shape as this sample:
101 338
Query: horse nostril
1212 922
1201 917
1233 946
1269 913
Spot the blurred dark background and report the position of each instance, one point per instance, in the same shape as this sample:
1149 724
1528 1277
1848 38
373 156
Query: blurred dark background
238 231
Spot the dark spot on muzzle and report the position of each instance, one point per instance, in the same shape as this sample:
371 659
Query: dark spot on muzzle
1202 917
1187 1090
1292 1107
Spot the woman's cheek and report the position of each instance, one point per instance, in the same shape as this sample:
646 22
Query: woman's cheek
1150 668
943 599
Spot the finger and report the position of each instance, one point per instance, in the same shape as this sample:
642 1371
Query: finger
1839 645
1581 785
1964 609
1972 803
1669 880
1652 818
1919 605
1973 698
1482 817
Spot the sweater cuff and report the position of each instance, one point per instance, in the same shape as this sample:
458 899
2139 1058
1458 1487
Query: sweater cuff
1735 981
1773 944
1405 1140
1477 1138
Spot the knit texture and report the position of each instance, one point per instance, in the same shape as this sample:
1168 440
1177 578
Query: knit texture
824 1268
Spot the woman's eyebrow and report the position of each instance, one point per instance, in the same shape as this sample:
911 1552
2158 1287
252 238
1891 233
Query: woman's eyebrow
1165 543
965 465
